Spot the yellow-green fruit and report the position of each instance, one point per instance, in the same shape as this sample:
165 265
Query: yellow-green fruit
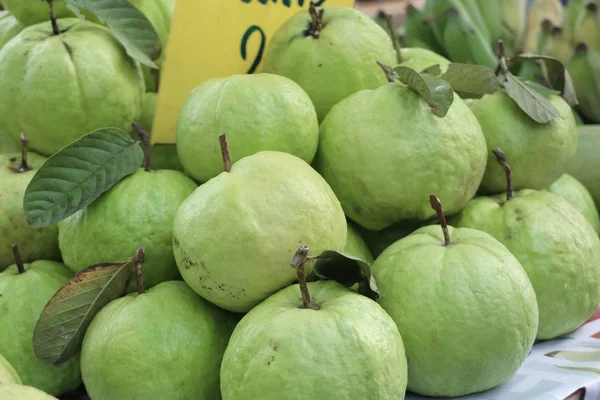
54 84
340 62
578 196
356 246
584 67
419 59
34 242
8 373
587 28
30 12
235 236
538 153
137 211
8 144
13 391
9 27
585 166
23 299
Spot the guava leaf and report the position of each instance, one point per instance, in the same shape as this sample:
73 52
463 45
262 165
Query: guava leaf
79 173
435 91
471 81
533 103
128 24
545 91
557 75
434 70
59 331
347 270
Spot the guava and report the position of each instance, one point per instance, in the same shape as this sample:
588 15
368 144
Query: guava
348 348
419 59
53 80
356 246
163 156
137 211
31 12
378 241
383 151
8 144
8 373
9 27
34 242
579 197
11 391
23 297
331 56
258 112
233 237
539 151
464 306
166 343
585 166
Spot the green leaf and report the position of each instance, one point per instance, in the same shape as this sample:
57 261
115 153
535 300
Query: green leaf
434 70
530 101
543 90
435 91
129 25
59 331
471 81
347 270
79 173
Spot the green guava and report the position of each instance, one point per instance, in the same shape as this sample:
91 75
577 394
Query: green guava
9 27
8 144
13 391
555 244
162 156
166 343
258 112
35 243
23 297
466 310
382 179
585 166
31 12
53 80
347 349
233 238
137 211
356 246
8 373
540 151
341 61
419 59
578 196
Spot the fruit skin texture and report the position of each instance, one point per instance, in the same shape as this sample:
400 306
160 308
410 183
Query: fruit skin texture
585 166
137 211
235 236
537 152
342 61
23 299
13 391
467 312
8 373
258 112
9 27
419 59
579 197
277 350
372 139
356 246
57 77
164 344
34 243
33 12
557 247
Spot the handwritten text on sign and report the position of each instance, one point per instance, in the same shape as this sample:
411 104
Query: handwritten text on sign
217 38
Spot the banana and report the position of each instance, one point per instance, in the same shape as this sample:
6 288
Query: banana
513 14
587 28
464 43
539 11
573 10
584 67
436 11
492 15
543 36
472 7
557 45
417 31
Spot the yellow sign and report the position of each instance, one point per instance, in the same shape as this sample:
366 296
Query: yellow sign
217 38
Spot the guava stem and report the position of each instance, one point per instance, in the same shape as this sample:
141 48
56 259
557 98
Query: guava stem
436 204
23 166
145 138
17 257
138 261
502 67
300 258
225 152
390 74
316 24
393 36
501 157
55 30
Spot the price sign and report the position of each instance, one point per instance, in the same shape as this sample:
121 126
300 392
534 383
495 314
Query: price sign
217 38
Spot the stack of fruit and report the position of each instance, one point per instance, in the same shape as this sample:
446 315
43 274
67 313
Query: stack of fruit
293 243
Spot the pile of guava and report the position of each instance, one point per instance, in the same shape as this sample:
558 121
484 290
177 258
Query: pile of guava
359 219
